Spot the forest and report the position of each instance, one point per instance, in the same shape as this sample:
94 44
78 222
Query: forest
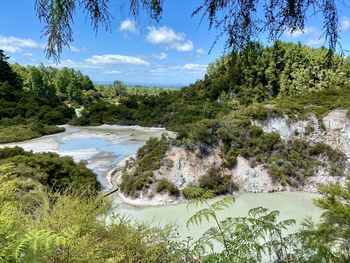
253 75
51 209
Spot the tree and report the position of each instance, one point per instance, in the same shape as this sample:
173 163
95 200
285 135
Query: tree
6 72
240 20
119 88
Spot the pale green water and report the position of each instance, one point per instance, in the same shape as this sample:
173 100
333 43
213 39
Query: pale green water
102 147
296 205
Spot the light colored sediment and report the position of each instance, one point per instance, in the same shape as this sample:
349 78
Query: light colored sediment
184 167
146 200
100 161
333 129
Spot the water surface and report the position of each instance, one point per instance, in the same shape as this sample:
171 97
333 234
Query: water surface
103 147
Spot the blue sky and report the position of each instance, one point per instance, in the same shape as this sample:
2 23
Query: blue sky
171 52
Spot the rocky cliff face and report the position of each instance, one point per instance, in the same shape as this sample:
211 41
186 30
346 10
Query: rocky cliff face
184 167
333 129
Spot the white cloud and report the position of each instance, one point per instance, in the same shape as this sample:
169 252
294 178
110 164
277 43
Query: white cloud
200 51
163 35
15 44
345 23
159 70
167 36
27 54
73 64
298 33
182 47
128 25
194 67
115 59
188 68
76 49
160 56
10 49
112 72
315 41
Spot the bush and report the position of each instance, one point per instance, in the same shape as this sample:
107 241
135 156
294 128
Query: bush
215 182
57 173
165 185
148 160
192 192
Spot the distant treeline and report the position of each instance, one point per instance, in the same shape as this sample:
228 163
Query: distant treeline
255 74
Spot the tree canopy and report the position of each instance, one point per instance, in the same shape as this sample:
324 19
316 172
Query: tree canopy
240 21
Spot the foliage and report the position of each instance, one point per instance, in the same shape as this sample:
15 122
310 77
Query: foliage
215 182
6 73
255 74
329 240
148 159
288 162
51 170
118 91
192 192
64 227
239 22
16 133
244 239
165 185
34 99
40 226
299 106
66 85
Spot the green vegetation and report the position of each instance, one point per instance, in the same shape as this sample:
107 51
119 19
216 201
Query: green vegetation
147 160
164 185
256 84
260 236
35 99
68 86
57 173
38 225
193 192
254 75
50 210
214 182
288 162
118 90
300 106
16 133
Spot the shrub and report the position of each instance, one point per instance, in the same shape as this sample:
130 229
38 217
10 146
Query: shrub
148 160
59 174
214 181
192 192
165 185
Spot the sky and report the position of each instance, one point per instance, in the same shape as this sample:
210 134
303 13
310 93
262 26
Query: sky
174 51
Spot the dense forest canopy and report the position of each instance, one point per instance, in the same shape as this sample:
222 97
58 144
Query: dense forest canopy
254 74
35 99
241 22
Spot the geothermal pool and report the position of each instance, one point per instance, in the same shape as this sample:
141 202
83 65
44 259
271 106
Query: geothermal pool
103 147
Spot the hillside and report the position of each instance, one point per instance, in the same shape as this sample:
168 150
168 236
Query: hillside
35 99
261 148
285 131
232 82
252 125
